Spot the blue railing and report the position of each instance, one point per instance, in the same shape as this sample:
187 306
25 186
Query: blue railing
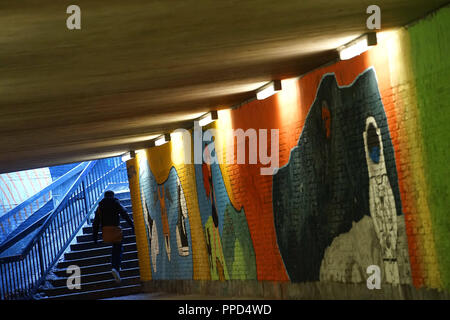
10 221
25 265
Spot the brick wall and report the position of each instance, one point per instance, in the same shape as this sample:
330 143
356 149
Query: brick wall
359 180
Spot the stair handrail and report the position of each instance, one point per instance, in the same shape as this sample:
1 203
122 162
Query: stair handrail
50 217
63 202
10 241
58 182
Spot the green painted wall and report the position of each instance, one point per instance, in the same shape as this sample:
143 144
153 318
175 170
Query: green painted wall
430 50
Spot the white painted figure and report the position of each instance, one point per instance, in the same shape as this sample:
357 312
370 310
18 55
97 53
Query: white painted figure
181 232
381 200
152 233
154 245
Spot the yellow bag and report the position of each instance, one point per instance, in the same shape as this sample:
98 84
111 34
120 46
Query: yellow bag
112 234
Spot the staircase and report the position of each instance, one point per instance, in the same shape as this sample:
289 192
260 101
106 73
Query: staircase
94 261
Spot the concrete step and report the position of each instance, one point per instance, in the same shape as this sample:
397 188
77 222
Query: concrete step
97 285
126 202
87 278
97 251
91 245
132 255
87 237
123 224
122 195
104 267
100 294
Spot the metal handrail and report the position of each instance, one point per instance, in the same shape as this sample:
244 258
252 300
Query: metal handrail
55 184
10 241
60 205
22 274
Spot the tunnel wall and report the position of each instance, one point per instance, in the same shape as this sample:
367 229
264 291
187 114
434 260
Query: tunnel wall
361 182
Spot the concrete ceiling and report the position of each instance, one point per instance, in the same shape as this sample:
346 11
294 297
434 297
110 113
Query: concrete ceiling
138 68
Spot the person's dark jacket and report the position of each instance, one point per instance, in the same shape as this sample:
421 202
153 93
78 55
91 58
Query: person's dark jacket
108 213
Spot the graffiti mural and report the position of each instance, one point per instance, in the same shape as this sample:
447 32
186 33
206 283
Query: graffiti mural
336 203
359 184
228 241
167 224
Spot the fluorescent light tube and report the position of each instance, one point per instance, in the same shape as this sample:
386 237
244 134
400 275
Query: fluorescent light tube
162 140
127 156
269 89
208 118
358 46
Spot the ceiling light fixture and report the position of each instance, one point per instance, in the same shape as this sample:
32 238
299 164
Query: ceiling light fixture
269 89
162 140
128 156
357 46
208 118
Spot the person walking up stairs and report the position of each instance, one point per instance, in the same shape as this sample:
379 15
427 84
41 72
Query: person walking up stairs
108 216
